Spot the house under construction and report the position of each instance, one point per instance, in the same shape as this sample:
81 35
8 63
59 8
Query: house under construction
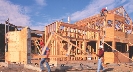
76 42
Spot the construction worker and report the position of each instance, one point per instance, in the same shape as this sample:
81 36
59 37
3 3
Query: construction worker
100 58
103 11
41 44
44 59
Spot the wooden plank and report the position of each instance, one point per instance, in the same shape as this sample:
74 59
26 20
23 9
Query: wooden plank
119 18
37 31
58 43
110 17
130 44
109 32
46 44
68 51
123 58
76 39
119 34
61 56
77 27
69 42
14 46
90 20
119 52
23 57
35 38
7 56
46 33
109 57
14 56
25 45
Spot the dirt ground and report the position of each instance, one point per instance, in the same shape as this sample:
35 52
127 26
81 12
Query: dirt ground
5 69
111 68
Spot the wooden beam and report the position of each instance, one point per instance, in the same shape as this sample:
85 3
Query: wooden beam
75 39
34 38
46 44
20 27
118 51
69 42
119 18
90 20
58 43
60 56
37 31
69 49
78 27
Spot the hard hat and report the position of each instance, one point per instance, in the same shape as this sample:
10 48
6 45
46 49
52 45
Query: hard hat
106 7
100 47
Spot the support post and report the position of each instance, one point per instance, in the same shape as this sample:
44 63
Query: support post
6 48
69 49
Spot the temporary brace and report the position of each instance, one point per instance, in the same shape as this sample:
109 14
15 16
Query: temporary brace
46 44
119 52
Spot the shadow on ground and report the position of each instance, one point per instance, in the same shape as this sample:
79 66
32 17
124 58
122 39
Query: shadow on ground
62 69
109 69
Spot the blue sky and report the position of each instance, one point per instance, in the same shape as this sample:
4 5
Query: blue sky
38 13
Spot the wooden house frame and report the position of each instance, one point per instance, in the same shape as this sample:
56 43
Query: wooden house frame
74 42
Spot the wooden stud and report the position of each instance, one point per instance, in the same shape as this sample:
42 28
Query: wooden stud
69 48
70 42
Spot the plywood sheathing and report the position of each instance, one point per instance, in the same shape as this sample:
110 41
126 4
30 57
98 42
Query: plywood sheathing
19 46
